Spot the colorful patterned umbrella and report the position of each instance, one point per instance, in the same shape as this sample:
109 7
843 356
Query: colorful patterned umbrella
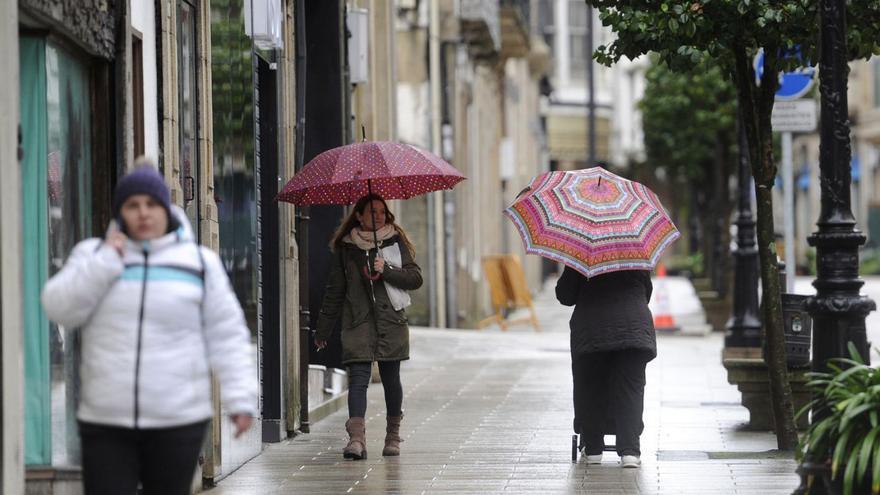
343 175
593 221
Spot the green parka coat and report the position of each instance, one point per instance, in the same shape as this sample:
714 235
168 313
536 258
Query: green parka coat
366 338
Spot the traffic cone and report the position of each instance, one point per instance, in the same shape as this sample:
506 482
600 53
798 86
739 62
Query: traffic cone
663 320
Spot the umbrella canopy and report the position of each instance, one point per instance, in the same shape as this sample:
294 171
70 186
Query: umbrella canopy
593 221
392 170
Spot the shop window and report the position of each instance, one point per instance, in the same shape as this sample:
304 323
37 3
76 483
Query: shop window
546 25
235 179
577 25
235 186
57 210
187 63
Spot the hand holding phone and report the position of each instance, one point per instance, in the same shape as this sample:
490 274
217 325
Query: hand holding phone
116 239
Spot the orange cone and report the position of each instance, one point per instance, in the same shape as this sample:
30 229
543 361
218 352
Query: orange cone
663 320
661 270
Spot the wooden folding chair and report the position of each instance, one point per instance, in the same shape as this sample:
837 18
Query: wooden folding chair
498 290
509 291
521 297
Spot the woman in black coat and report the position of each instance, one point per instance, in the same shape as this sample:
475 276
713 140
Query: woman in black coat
612 341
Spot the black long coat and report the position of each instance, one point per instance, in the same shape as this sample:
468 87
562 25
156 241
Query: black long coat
365 337
611 311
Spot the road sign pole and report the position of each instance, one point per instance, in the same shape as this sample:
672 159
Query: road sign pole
788 207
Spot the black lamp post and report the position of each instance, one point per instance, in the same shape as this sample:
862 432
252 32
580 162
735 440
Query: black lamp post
744 326
838 310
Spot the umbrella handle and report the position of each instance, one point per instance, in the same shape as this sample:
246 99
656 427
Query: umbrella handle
371 276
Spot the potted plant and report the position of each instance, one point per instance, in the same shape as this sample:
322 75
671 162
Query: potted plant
842 447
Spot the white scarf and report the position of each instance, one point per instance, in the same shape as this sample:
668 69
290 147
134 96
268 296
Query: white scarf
364 238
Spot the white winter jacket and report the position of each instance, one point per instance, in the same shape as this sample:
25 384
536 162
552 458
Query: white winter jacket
154 322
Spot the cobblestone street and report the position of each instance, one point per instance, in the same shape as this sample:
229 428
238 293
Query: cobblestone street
490 412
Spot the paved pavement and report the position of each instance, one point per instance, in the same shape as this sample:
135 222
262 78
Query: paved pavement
490 412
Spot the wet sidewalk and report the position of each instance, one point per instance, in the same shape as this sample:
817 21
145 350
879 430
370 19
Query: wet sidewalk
490 412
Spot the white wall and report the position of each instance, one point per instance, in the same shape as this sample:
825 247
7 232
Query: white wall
12 476
627 133
414 114
143 19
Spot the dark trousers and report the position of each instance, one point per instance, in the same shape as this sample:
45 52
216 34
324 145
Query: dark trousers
163 460
609 398
359 379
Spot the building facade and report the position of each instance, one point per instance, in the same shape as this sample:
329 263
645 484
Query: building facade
204 89
230 98
474 100
571 28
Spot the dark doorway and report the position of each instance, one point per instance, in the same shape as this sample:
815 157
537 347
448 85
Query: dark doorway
271 339
326 127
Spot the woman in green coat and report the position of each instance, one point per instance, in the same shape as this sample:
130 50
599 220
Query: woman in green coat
369 292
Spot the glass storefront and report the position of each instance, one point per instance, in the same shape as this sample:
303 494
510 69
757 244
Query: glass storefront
234 171
57 209
235 182
188 92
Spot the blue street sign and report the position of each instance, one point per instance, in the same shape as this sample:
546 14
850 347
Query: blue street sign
792 85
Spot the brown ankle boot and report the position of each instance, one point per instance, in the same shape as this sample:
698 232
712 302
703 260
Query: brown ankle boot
392 436
357 443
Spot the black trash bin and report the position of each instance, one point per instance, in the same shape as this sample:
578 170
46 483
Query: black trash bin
797 326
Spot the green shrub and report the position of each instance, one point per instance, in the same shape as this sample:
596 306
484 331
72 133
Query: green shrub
848 400
869 262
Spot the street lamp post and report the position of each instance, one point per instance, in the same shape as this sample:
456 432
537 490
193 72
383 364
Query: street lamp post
838 310
744 326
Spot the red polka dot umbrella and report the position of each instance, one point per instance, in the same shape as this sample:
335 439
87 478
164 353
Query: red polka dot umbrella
593 221
343 175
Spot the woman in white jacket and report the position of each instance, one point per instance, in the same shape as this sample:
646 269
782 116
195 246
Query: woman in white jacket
157 314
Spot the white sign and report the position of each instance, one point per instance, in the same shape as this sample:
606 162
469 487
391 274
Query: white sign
358 45
794 116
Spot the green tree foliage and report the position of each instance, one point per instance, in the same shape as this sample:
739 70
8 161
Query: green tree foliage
684 114
689 119
731 32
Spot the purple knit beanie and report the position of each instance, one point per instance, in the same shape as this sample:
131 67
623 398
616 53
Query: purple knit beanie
142 180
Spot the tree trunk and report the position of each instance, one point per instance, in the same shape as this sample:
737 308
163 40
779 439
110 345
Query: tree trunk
757 106
774 338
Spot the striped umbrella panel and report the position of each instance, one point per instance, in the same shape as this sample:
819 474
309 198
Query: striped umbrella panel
593 221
